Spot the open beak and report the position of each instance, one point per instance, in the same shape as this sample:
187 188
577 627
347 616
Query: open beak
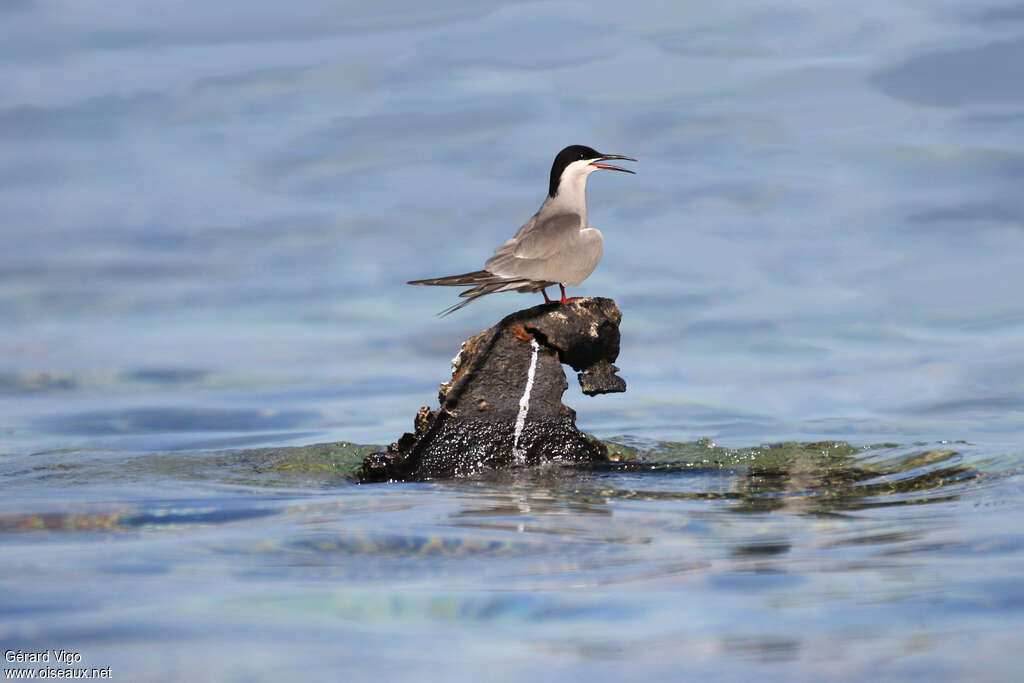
605 157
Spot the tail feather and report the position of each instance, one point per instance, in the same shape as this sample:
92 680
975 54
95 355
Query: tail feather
474 293
481 283
454 307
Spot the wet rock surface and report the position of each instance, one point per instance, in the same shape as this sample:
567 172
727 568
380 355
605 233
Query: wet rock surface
503 405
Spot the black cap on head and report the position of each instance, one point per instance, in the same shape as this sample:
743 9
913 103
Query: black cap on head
564 158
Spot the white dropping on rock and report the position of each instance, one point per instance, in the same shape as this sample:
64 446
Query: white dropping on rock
458 357
524 404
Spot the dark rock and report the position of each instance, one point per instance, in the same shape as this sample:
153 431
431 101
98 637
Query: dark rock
503 406
600 378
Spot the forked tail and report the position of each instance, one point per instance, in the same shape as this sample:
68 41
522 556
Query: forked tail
480 283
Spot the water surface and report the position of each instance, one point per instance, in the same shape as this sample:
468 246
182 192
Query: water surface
207 215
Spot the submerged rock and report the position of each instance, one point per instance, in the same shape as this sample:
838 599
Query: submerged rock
503 406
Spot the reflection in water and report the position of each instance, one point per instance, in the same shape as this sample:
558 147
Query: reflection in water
804 478
794 478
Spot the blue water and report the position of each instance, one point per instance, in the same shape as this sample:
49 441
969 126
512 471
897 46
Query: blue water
208 212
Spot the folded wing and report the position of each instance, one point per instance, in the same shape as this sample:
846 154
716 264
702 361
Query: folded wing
531 253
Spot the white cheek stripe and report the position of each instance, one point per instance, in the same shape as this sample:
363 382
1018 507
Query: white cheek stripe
524 404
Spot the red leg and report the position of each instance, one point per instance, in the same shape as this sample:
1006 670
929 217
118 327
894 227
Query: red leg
564 300
544 291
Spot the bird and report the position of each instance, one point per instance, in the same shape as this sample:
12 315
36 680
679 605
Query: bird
556 246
